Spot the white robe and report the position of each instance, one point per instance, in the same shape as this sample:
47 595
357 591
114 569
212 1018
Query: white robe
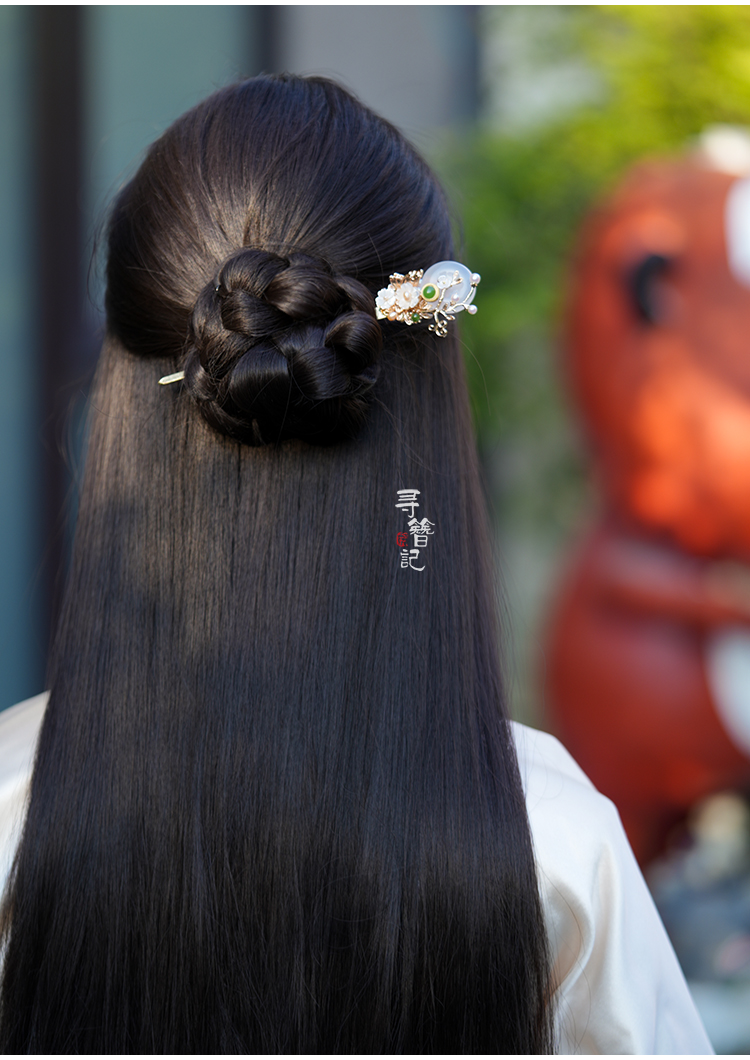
621 990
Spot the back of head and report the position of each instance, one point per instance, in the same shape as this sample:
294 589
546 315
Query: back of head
264 248
275 806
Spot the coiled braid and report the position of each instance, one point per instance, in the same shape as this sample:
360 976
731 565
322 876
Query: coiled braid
280 347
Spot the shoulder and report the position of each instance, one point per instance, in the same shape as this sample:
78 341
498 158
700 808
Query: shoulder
619 986
19 730
577 837
546 766
560 798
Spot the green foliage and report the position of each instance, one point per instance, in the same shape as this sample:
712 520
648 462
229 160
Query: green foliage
661 74
519 208
668 72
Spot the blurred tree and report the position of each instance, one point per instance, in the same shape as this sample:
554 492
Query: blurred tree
652 77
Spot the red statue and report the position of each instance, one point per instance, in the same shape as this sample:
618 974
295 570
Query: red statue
648 661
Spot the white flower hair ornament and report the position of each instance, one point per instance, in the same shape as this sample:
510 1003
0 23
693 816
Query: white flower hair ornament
438 292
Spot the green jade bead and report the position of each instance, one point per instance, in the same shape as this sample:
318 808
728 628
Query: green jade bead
429 293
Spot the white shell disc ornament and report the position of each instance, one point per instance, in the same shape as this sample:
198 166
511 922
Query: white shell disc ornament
454 282
439 292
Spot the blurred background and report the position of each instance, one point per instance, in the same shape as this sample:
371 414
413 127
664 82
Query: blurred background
533 116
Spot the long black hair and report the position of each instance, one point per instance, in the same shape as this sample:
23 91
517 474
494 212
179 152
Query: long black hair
275 805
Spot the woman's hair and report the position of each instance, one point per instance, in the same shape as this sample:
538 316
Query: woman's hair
276 805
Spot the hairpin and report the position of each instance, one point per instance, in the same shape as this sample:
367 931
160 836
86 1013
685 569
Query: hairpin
438 292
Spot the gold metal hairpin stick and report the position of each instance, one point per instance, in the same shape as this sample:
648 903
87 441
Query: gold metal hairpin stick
176 377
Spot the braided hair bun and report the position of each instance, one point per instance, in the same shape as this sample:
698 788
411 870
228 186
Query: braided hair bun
281 348
248 248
